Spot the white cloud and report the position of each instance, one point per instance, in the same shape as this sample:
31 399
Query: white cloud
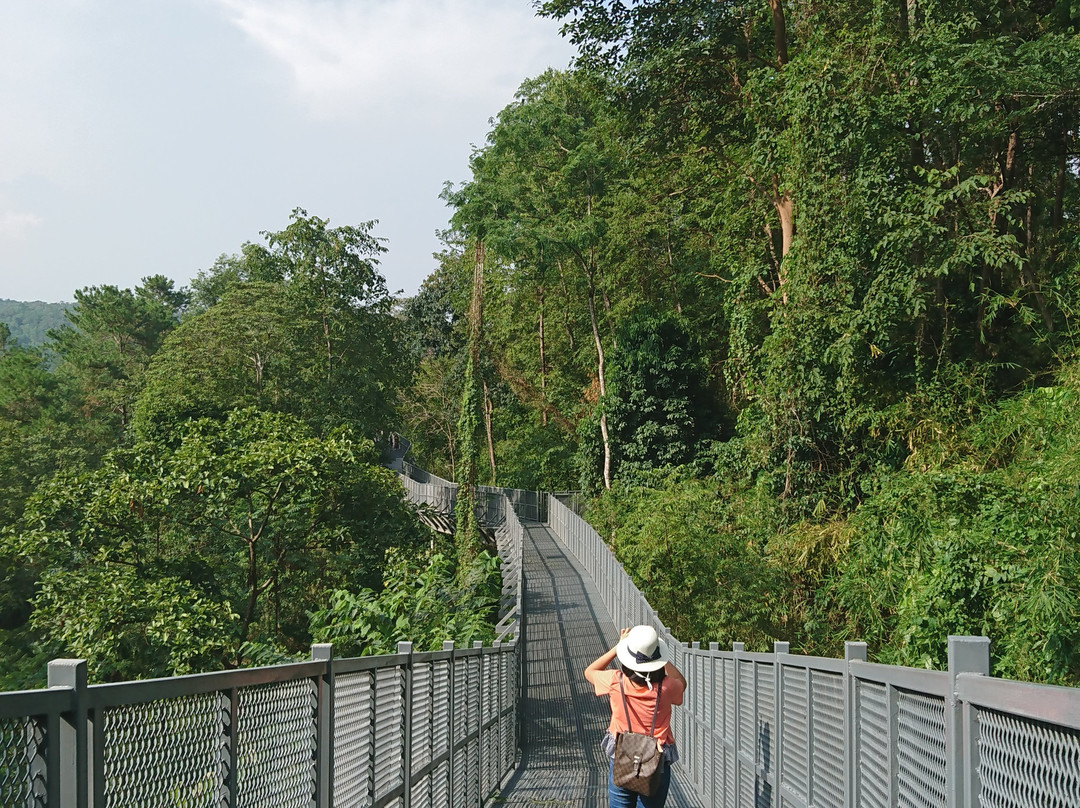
410 58
14 224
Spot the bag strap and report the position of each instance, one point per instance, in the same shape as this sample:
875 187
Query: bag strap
626 710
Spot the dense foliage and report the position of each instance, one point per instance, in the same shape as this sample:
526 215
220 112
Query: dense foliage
189 480
790 289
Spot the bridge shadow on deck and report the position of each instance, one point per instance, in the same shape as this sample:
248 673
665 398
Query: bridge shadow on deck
567 627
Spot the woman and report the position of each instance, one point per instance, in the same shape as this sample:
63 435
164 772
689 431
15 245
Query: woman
644 674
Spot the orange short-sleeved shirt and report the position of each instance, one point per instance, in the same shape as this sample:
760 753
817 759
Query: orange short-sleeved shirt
640 703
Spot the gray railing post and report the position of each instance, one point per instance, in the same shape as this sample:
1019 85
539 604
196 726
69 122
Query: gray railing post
737 648
479 726
966 655
499 703
448 645
853 652
406 763
230 704
780 648
716 696
68 763
324 744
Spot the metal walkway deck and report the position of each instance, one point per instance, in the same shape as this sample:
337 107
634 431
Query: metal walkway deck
566 628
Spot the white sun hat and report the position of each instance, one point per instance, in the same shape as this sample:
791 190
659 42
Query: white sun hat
642 650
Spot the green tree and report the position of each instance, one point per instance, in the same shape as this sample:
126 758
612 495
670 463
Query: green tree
105 349
537 198
244 351
254 512
29 323
301 325
424 601
659 406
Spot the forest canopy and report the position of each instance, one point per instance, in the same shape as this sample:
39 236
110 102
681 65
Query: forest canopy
788 291
191 479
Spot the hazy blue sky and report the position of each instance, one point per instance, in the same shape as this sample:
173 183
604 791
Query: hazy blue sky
150 136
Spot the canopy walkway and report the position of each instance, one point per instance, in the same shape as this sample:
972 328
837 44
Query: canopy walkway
516 724
568 627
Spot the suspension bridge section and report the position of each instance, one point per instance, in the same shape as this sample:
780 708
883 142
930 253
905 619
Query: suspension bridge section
567 626
515 723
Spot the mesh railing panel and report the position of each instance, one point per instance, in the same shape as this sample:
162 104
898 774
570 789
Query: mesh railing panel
872 784
1024 763
510 680
796 699
389 730
827 741
422 709
440 737
766 716
746 710
22 763
471 696
440 709
166 753
466 717
353 738
276 730
920 750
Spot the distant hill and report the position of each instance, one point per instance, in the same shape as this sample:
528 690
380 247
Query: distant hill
30 322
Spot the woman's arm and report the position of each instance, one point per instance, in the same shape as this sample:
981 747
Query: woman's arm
601 662
672 672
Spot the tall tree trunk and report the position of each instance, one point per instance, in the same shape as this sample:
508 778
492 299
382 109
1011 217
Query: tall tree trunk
600 377
543 359
253 591
779 32
488 410
566 307
467 541
1059 186
785 209
476 305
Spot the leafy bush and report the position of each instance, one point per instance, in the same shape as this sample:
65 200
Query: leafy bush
422 600
986 545
697 557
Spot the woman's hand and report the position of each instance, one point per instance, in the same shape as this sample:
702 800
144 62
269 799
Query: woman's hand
622 634
601 662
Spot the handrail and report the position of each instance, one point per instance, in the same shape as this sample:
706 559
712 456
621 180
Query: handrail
440 728
436 728
772 729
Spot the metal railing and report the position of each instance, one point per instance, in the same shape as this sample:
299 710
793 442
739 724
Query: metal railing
436 728
441 728
784 730
531 505
423 488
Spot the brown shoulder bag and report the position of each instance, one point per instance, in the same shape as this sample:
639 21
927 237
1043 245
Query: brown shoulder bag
638 761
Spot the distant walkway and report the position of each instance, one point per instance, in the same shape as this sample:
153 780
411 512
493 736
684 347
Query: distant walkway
566 628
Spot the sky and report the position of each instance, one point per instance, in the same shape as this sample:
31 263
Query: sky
144 137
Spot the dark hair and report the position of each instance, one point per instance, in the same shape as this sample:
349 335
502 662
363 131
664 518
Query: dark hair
639 678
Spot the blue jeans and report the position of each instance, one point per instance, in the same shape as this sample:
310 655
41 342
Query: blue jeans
621 798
